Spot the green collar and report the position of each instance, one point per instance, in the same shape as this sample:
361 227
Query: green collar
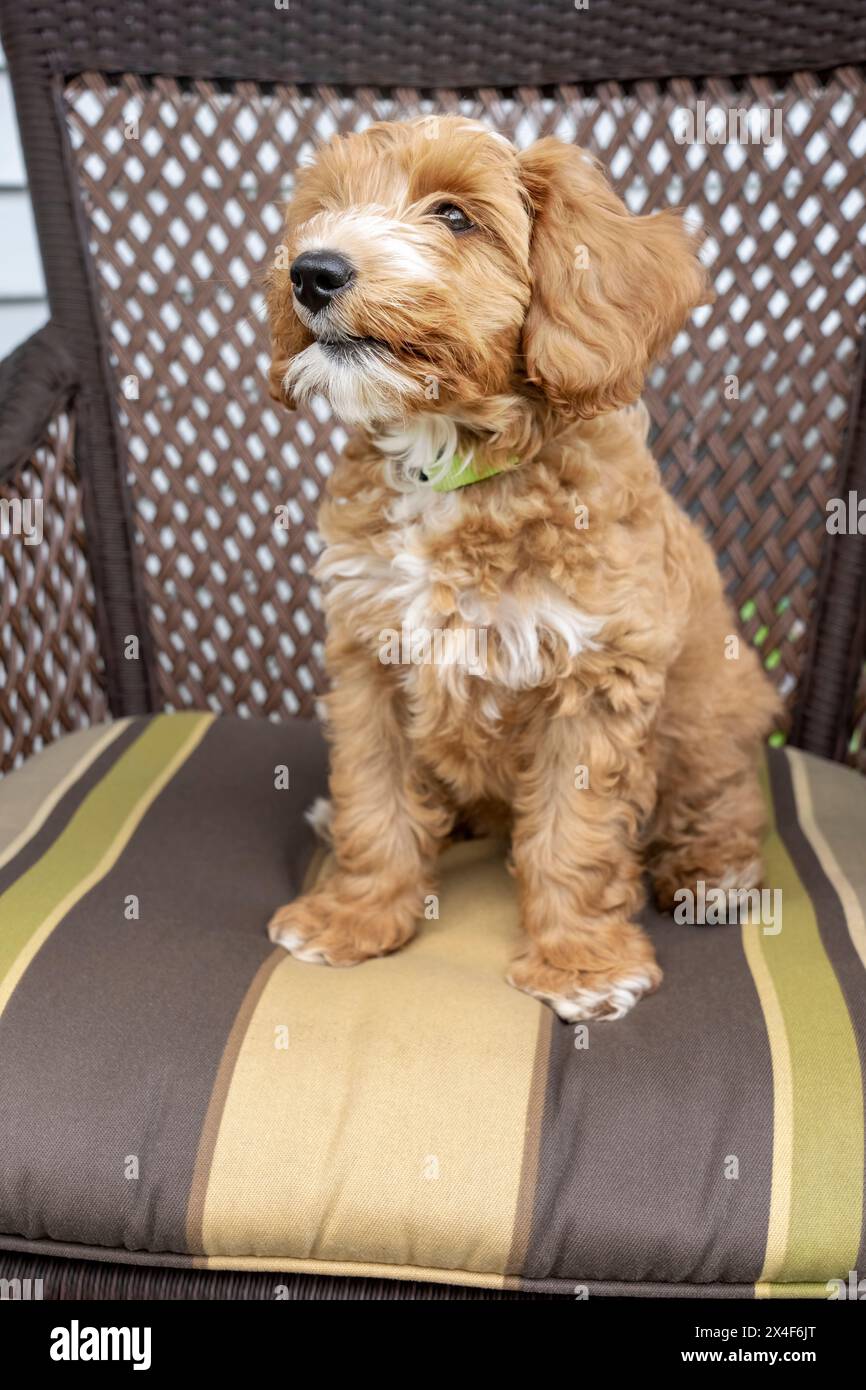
461 474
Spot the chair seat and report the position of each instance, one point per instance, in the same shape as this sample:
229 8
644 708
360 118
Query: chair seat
176 1091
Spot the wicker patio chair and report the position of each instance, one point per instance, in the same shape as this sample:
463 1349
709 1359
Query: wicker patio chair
160 141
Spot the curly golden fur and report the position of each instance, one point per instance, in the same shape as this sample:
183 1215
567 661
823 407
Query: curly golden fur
606 728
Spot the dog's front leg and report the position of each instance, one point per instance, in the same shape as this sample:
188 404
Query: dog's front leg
387 829
580 809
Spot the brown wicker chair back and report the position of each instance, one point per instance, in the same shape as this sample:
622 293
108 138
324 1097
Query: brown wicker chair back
160 143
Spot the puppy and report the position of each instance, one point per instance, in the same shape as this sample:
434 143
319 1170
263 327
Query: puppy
486 318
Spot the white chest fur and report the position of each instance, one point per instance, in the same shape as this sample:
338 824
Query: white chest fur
399 584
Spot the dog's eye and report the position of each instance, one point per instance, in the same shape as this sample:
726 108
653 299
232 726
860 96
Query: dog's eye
455 218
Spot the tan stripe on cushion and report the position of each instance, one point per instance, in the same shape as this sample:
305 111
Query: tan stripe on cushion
213 1117
372 1138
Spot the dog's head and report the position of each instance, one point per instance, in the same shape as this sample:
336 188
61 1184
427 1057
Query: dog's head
429 266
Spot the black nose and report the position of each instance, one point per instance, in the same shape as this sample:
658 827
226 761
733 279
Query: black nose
318 275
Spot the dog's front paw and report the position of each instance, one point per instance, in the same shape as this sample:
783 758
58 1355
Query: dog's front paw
329 928
575 993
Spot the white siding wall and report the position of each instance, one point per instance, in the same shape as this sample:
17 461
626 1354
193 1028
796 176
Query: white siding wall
23 306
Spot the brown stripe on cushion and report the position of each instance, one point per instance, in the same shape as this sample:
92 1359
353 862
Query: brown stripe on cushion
802 794
640 1125
34 846
154 1000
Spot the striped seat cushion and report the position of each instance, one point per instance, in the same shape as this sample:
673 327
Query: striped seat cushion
176 1091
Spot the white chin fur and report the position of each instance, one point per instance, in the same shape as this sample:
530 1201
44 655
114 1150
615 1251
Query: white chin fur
360 390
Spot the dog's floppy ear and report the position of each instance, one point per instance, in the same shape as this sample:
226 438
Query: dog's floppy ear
609 290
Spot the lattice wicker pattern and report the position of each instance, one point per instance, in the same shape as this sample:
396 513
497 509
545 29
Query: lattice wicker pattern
51 678
183 207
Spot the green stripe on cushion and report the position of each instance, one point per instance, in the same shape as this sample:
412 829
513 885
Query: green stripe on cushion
816 1205
28 799
92 841
61 796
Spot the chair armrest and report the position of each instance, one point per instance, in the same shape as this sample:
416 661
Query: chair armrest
36 382
52 674
857 742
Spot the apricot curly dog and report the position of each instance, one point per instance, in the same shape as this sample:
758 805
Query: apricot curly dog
486 318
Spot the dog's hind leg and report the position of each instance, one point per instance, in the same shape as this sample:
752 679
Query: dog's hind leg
709 819
708 827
